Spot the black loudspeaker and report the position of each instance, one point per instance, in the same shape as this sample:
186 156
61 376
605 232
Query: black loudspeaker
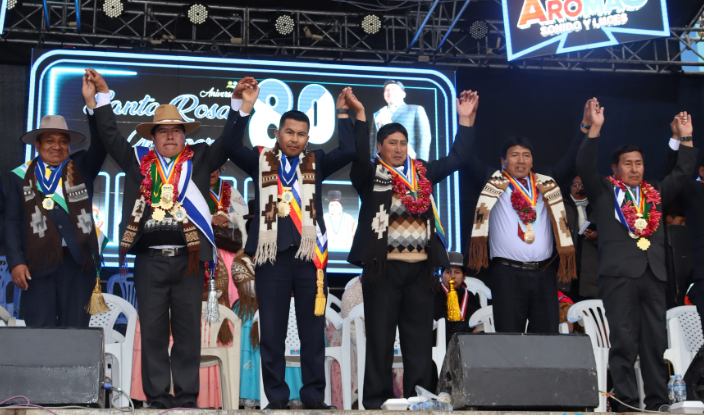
520 371
694 377
52 365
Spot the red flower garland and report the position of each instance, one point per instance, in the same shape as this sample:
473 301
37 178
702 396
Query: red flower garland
145 166
525 210
421 202
224 205
651 196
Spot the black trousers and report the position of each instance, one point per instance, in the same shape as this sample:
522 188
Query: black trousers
400 298
520 295
635 309
58 299
275 284
162 287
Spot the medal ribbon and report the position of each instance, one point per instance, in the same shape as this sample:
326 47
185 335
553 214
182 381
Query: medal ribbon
49 184
291 178
409 179
638 200
166 169
619 212
464 300
530 193
215 198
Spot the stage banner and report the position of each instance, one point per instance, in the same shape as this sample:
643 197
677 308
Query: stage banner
549 27
423 100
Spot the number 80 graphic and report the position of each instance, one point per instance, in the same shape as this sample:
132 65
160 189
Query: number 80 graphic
275 98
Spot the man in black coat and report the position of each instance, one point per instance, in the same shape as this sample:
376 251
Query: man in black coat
54 255
288 242
166 223
632 269
581 221
399 242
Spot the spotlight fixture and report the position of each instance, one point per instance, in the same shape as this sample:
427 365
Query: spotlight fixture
371 24
197 14
112 8
11 4
479 29
284 24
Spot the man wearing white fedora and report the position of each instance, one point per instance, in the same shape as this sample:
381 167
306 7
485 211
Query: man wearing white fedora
166 224
53 251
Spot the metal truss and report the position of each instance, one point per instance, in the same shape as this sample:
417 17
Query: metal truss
433 32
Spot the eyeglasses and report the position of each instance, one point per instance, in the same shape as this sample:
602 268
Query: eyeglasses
577 185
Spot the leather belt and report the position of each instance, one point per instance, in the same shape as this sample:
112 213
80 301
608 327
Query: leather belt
167 251
527 266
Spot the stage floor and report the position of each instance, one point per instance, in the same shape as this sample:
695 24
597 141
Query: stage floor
113 411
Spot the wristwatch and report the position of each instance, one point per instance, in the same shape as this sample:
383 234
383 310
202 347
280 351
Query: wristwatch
687 138
342 111
585 126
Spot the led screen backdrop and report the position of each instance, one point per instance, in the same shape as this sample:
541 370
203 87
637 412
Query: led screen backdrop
547 27
201 87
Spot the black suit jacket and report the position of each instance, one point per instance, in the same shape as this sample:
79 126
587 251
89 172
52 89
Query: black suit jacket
587 252
325 165
89 163
618 254
363 173
691 200
206 159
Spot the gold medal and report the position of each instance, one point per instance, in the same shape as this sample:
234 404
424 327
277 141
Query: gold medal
158 214
640 224
283 209
643 244
632 235
529 227
167 192
529 237
48 203
286 196
179 213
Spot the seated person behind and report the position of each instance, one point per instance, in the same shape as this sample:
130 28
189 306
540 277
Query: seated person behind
467 302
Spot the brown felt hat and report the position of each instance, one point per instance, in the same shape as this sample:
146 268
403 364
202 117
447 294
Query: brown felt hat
50 124
166 114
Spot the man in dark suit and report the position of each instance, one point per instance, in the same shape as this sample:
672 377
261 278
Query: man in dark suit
523 251
412 117
54 255
166 223
632 269
400 242
580 220
288 241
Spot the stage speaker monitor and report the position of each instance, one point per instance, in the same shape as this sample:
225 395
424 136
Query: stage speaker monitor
520 372
52 365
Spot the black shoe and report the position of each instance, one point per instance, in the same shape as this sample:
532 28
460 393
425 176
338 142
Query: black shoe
277 405
157 405
317 405
190 405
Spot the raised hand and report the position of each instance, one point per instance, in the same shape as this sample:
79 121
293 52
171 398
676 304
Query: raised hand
467 105
587 117
673 126
684 125
244 83
249 97
89 91
342 99
355 105
97 80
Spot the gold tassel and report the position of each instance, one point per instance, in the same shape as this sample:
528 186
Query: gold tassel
97 305
453 304
320 296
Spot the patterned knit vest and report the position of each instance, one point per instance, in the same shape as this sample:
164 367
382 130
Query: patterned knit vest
408 236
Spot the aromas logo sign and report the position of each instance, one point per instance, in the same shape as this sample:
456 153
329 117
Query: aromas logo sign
547 27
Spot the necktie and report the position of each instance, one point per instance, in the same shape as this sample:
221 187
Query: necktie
523 182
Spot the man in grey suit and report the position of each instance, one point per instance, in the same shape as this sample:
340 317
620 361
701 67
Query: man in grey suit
412 117
632 269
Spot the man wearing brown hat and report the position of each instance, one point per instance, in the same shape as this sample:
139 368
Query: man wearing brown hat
54 254
168 228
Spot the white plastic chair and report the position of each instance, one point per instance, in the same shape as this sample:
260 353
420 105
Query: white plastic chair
484 317
356 317
684 337
342 355
477 287
127 290
227 358
333 301
591 315
350 282
117 351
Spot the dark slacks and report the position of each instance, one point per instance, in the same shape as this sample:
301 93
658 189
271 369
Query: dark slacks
58 299
520 295
400 298
635 309
274 284
162 287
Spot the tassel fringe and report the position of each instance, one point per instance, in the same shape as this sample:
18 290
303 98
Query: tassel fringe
568 267
478 253
453 304
320 296
97 304
254 334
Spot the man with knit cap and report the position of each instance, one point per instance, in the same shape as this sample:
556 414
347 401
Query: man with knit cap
166 224
398 243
